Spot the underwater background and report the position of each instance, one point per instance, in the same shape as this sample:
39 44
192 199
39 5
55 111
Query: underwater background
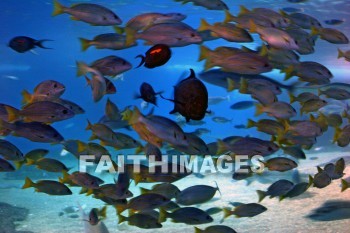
29 211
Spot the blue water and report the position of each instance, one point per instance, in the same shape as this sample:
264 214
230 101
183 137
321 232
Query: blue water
33 18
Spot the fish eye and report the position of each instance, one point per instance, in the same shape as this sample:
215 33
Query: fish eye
193 35
52 117
65 111
296 42
266 65
55 85
124 63
208 217
55 135
116 17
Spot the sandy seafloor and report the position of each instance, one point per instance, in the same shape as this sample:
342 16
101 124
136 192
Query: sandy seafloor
286 216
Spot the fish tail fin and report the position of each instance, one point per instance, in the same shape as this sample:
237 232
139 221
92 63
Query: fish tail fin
138 149
162 215
82 68
252 26
243 10
88 81
81 146
89 126
144 190
89 192
222 147
292 98
314 31
227 212
5 125
228 17
286 125
58 8
283 13
28 183
65 178
344 185
251 124
337 134
121 219
261 195
259 109
204 25
217 188
30 162
85 43
197 230
264 51
340 54
289 71
119 30
103 212
243 86
27 97
39 43
130 36
204 53
230 84
19 164
311 181
143 58
319 92
13 114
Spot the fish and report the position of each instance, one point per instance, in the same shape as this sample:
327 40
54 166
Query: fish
5 166
274 37
33 155
242 105
297 190
48 90
303 128
96 215
279 188
295 151
174 34
320 180
335 93
187 215
331 35
111 65
10 152
215 229
112 41
267 126
334 21
277 19
221 120
93 14
280 164
88 228
345 184
140 220
312 106
190 98
241 126
201 131
82 179
102 132
22 44
240 62
302 20
148 94
196 145
208 4
43 111
165 189
303 97
150 149
156 56
143 21
245 210
280 110
245 19
47 164
71 105
148 201
33 131
345 54
218 99
227 31
48 186
196 195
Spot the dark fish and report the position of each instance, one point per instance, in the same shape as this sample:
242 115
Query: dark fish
196 194
334 21
156 56
48 186
9 151
245 210
191 98
188 215
95 214
148 94
297 1
243 105
6 166
215 229
23 44
279 188
111 65
33 131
